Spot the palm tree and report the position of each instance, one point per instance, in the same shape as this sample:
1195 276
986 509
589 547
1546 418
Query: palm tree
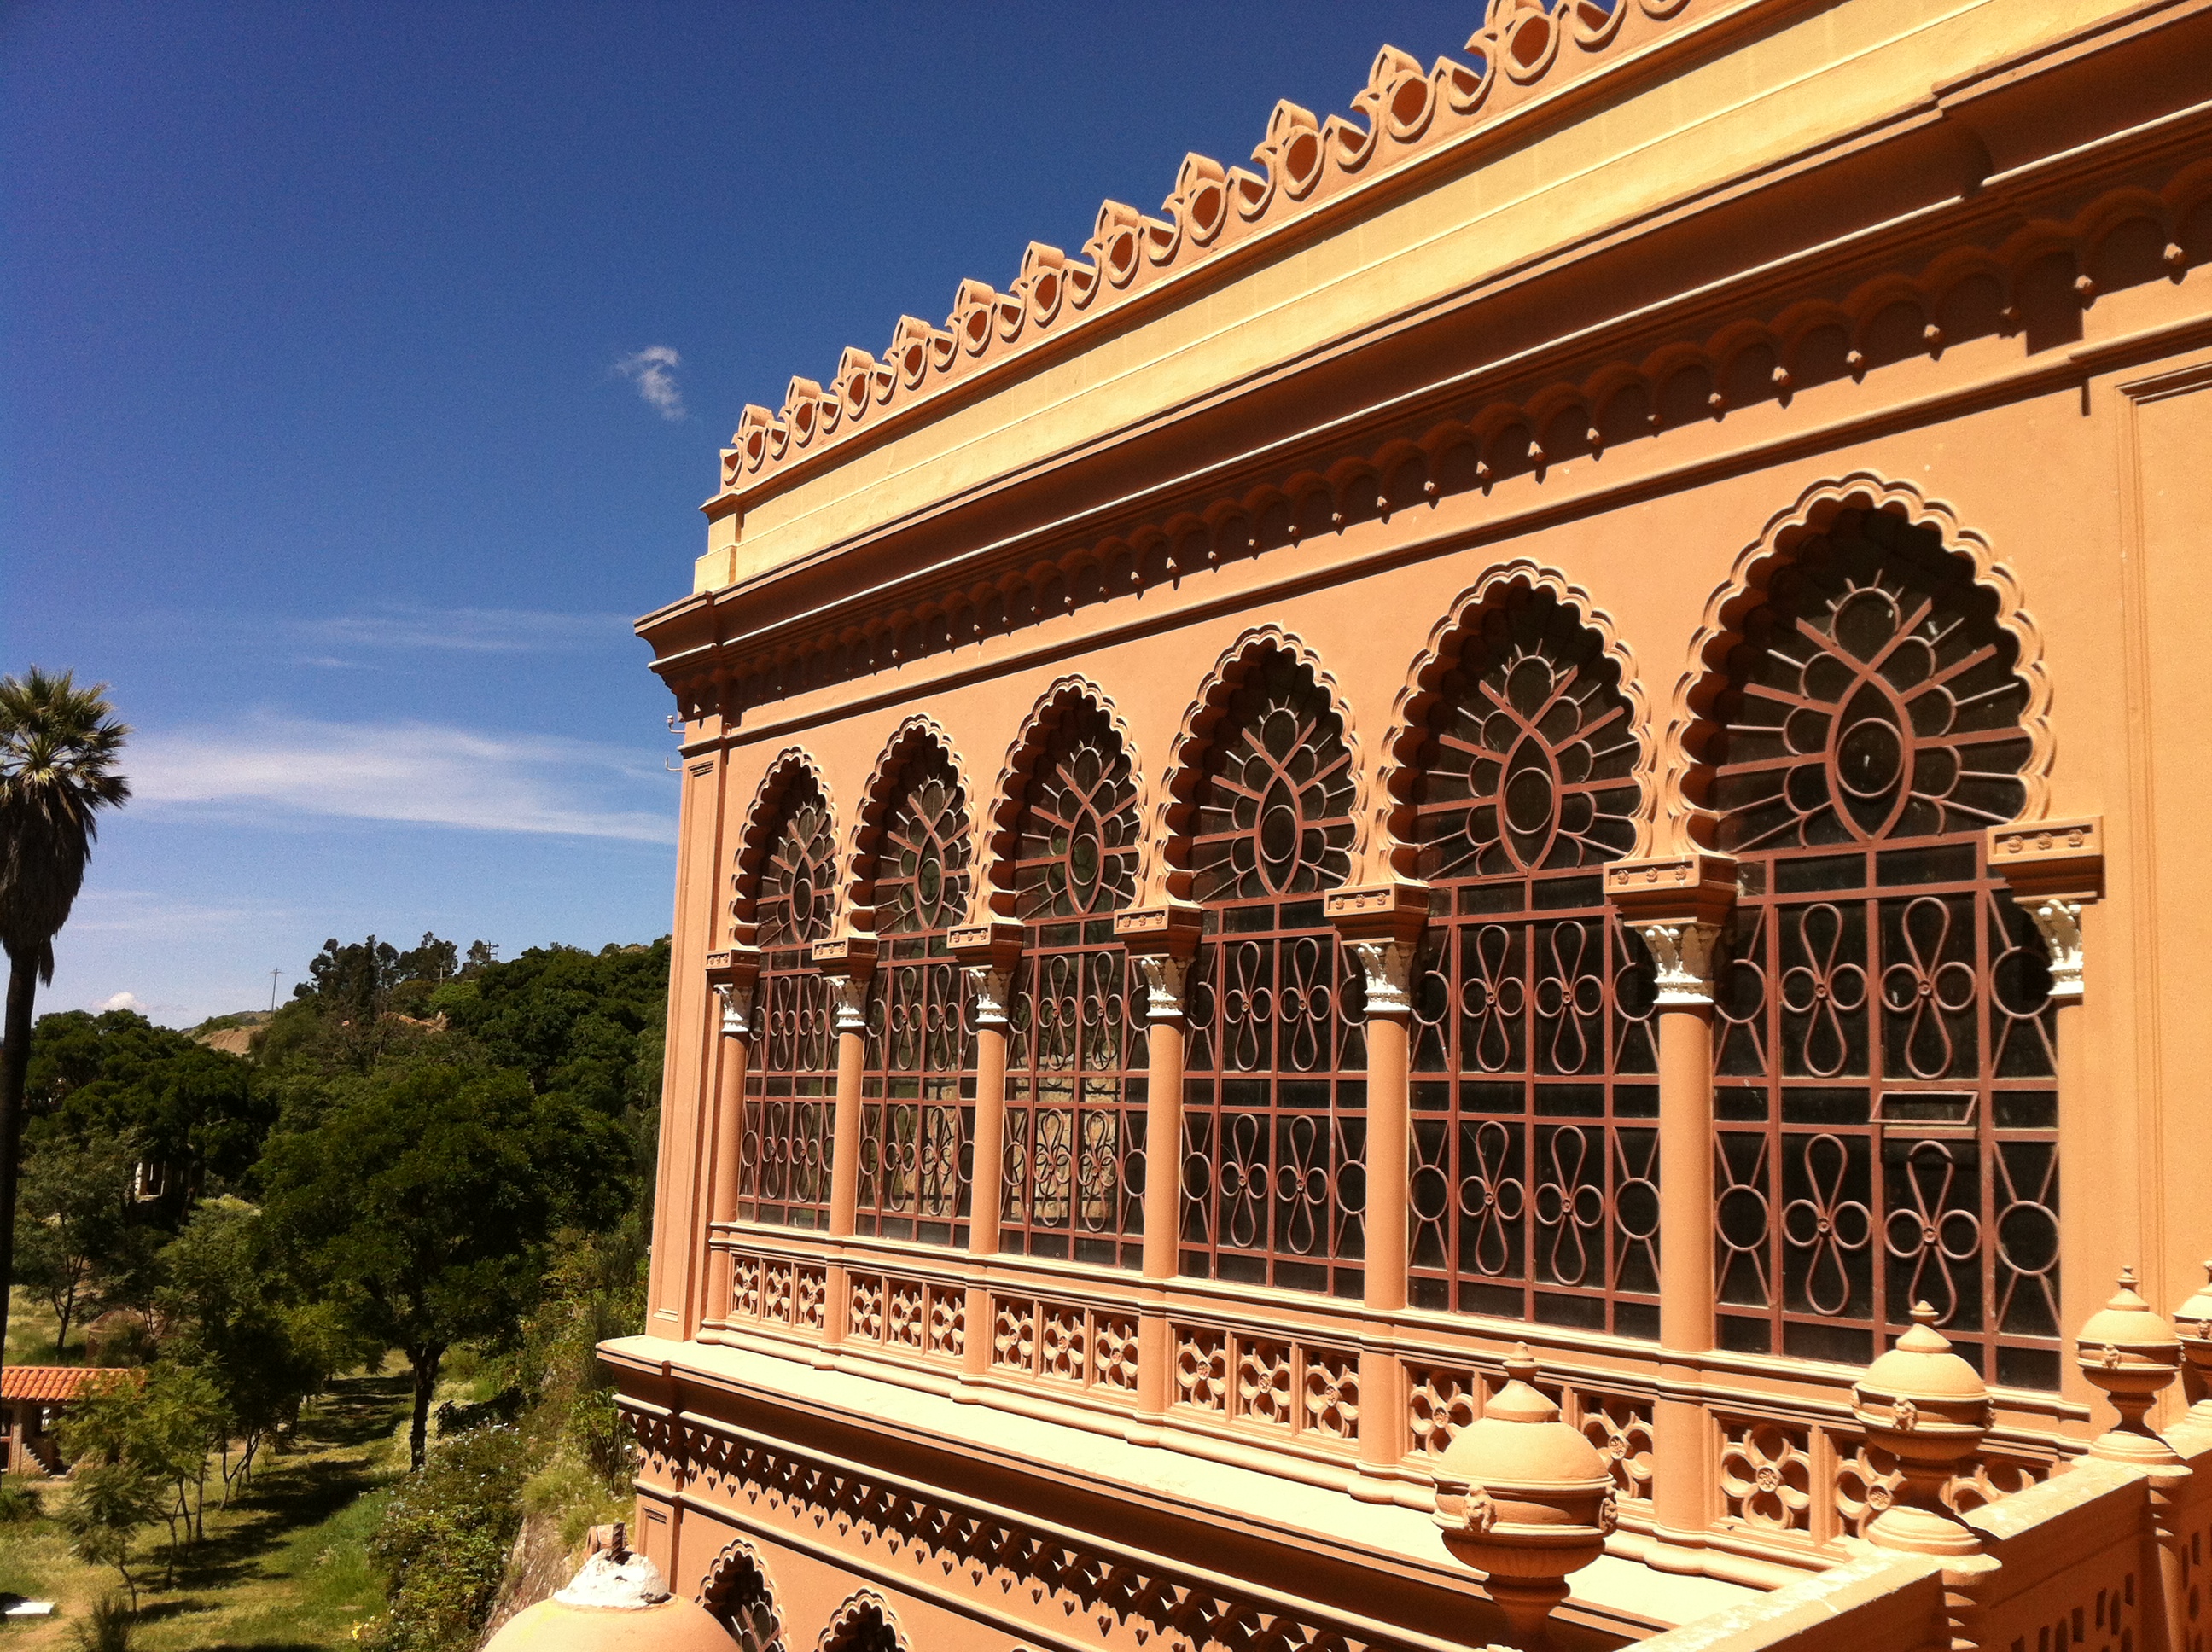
59 743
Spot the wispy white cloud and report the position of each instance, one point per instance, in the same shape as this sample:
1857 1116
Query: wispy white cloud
151 914
652 370
426 773
452 630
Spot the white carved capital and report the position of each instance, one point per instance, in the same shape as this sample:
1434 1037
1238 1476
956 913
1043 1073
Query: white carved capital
1682 954
1164 983
737 1008
852 1003
2059 921
1389 967
989 986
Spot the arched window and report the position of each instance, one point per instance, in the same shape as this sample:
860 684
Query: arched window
1885 1107
736 1591
862 1624
1074 1159
1275 1093
1534 1094
791 1085
918 1106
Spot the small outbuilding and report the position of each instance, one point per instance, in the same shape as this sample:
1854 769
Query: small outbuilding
34 1398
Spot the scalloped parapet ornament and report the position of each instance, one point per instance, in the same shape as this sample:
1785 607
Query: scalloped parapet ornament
1402 116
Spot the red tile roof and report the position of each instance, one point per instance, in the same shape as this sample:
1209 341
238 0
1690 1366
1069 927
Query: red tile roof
49 1384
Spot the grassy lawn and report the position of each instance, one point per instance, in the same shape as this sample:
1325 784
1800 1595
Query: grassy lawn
284 1567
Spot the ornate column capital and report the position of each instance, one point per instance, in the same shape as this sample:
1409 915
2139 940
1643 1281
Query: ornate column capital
1682 954
847 961
1678 905
737 1000
1388 966
2054 868
1160 941
1163 977
1381 925
990 985
732 974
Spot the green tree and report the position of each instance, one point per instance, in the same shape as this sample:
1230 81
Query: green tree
264 1355
109 1504
424 1198
198 1111
58 747
73 1223
162 1427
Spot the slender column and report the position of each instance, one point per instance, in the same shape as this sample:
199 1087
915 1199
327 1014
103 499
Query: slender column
1677 907
1381 927
1160 942
2056 870
736 997
847 961
988 952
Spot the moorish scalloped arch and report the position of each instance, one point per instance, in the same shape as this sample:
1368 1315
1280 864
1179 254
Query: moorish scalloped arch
867 832
739 1591
1417 700
865 1623
1686 823
1186 769
763 817
1001 831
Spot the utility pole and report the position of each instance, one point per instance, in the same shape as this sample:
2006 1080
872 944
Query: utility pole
272 992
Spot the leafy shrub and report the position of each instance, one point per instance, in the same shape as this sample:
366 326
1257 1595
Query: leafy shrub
442 1542
19 1499
111 1626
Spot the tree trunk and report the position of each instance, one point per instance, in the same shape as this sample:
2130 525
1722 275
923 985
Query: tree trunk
14 1068
426 1365
63 1315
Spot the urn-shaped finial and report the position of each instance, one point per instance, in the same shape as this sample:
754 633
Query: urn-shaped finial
1928 1409
2128 1350
1523 1498
2193 1320
618 1602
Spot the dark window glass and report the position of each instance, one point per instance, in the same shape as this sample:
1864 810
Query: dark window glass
1536 1195
1884 1032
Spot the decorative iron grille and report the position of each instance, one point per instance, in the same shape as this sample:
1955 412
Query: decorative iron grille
791 1085
1535 1154
918 1088
1275 1093
1074 1149
1885 1112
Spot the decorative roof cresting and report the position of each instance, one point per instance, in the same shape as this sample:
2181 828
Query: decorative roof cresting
1404 111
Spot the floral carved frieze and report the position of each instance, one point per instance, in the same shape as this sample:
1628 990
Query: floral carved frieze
1293 1389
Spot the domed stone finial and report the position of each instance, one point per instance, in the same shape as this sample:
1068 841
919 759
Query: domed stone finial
1523 1498
616 1602
2193 1320
2128 1350
1928 1409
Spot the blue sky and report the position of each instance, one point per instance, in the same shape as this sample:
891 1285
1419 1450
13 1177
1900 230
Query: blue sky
364 366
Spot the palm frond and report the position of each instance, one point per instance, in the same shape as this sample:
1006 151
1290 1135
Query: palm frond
58 747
